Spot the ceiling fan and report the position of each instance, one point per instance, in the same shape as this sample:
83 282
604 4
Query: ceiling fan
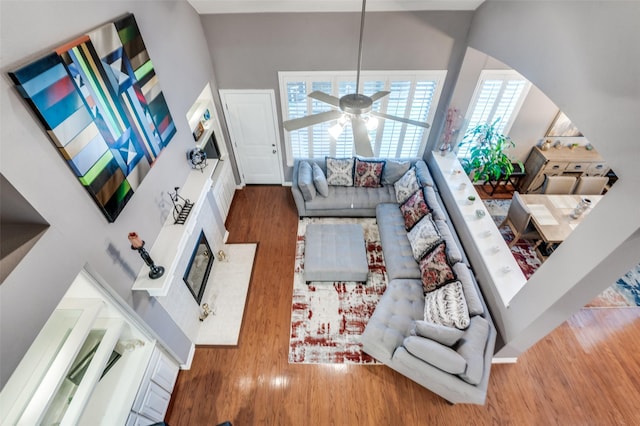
354 108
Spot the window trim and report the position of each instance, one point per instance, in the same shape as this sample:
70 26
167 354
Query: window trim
336 77
504 75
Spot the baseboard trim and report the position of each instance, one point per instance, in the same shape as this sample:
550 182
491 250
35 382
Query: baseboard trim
504 360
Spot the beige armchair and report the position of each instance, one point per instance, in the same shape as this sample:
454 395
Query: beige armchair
519 220
559 184
591 185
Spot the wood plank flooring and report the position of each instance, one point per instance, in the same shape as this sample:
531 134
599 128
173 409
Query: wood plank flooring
587 372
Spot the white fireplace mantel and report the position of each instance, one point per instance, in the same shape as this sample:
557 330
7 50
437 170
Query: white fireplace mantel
172 239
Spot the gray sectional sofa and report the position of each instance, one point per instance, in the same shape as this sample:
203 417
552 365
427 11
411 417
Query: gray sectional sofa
450 362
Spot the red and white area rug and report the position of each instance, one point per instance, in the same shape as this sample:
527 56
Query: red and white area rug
327 319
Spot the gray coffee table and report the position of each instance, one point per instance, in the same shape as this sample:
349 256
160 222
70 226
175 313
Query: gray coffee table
335 252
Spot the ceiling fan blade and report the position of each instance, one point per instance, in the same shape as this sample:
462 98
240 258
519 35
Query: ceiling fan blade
323 97
379 95
361 137
310 120
404 120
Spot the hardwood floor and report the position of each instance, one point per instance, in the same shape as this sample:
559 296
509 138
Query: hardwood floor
587 372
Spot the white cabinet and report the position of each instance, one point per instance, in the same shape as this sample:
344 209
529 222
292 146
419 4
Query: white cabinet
87 364
155 390
224 188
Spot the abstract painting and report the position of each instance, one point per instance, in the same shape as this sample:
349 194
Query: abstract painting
99 100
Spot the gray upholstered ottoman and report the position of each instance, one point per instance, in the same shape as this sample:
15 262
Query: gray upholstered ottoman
335 252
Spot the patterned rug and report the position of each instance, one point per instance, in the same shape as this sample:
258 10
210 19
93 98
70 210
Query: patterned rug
625 292
327 319
523 250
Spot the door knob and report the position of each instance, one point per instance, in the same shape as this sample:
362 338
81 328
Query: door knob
274 151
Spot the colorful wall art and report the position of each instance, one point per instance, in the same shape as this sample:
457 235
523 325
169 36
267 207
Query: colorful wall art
99 100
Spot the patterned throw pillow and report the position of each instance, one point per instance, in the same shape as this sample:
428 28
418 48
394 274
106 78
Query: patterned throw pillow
447 306
423 237
340 171
368 173
406 185
434 269
414 209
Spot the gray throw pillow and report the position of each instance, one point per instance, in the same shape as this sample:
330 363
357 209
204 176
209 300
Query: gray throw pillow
394 170
320 180
433 353
305 181
440 333
340 171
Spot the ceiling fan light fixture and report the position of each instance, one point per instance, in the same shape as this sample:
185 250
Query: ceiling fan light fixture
372 122
336 130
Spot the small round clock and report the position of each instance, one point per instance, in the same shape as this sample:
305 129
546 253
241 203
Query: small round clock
197 158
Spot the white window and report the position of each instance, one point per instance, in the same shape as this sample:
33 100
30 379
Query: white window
498 96
414 95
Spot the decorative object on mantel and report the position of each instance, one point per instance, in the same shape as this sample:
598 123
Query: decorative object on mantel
450 129
180 210
206 311
99 100
222 256
138 244
197 133
197 159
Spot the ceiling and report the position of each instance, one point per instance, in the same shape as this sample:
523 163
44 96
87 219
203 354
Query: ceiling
273 6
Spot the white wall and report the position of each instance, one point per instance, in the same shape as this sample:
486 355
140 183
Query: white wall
585 57
79 234
248 50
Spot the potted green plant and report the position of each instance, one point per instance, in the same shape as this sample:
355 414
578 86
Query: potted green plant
487 159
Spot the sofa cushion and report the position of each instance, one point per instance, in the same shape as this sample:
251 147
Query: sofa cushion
414 209
350 197
368 173
436 354
305 181
453 252
474 303
393 319
398 256
340 171
393 170
423 237
433 204
448 336
424 176
471 347
406 185
447 306
434 268
320 180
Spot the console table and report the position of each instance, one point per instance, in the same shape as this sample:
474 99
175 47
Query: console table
492 261
560 161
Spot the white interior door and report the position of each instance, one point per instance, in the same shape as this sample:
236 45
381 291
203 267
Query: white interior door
253 127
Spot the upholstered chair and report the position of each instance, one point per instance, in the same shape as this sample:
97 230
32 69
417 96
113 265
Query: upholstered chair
559 184
519 220
591 185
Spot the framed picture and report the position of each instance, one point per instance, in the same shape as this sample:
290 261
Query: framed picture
562 127
197 133
100 102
